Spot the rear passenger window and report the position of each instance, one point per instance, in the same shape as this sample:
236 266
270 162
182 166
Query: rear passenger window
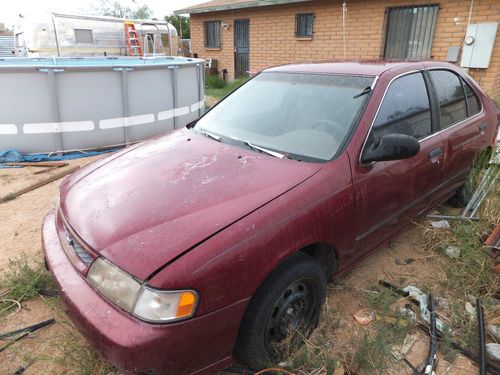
473 103
450 96
405 110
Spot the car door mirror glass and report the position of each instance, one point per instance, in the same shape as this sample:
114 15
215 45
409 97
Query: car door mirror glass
392 147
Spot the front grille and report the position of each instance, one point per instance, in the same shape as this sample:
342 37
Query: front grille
80 251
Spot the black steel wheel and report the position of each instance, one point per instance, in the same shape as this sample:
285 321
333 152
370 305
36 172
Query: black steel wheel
283 311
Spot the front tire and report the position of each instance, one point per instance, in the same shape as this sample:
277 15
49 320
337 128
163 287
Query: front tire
285 308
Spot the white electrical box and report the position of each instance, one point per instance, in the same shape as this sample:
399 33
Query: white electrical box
478 45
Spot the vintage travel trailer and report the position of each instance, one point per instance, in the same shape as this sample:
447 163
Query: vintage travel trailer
65 35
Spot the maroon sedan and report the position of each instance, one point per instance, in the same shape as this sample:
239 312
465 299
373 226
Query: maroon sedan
219 239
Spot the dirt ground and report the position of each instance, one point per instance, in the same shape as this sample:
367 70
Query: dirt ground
348 296
20 233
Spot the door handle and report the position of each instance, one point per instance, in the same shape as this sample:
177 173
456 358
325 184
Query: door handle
483 126
436 152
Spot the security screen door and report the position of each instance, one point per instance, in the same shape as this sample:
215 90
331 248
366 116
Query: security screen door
241 48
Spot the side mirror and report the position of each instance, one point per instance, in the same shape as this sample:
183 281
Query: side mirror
392 147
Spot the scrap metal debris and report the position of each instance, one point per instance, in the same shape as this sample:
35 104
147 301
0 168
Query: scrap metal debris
494 331
482 339
431 356
424 303
28 329
493 240
441 224
21 369
493 351
18 334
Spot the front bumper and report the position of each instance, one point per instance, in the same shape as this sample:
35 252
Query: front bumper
201 344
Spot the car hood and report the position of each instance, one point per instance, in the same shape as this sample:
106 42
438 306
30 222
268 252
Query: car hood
149 204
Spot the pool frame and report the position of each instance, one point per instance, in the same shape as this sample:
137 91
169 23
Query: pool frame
169 95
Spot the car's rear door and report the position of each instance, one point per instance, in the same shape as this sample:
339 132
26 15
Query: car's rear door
389 194
463 124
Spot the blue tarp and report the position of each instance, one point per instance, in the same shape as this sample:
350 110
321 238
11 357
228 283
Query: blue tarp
12 156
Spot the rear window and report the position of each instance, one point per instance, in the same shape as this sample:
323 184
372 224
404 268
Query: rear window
450 96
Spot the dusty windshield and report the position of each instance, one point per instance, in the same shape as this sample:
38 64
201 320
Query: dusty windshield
302 116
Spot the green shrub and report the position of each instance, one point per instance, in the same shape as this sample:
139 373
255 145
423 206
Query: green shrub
215 82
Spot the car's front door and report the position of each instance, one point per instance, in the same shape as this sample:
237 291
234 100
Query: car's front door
389 194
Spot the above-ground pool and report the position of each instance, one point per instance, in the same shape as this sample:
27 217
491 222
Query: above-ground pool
66 104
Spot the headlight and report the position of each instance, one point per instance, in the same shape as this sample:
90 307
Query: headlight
163 306
146 303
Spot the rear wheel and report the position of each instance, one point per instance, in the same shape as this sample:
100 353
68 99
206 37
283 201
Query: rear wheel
464 192
461 197
284 309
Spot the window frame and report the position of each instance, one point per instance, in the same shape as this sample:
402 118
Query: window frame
217 24
75 30
438 109
298 17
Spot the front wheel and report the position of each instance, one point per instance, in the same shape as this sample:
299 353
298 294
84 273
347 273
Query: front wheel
283 311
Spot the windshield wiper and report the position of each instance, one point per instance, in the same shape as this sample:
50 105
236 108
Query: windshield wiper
267 151
365 91
210 135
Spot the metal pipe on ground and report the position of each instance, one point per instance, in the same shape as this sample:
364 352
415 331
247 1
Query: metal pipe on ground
482 342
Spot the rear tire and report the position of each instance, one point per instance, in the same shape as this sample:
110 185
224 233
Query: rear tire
289 300
465 192
461 197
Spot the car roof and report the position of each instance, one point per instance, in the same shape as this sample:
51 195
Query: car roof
358 67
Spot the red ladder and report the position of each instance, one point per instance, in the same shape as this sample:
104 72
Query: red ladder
134 46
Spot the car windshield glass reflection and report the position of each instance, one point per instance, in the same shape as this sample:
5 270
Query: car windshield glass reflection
301 116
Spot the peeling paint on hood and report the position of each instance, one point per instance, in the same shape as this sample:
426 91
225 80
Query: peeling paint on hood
146 206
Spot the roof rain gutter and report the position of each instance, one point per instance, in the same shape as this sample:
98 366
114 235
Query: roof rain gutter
236 5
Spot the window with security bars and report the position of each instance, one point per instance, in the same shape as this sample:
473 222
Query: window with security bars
410 31
212 34
304 25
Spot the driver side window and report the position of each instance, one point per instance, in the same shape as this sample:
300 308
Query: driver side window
404 110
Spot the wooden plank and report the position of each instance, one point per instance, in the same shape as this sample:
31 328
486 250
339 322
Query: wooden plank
38 184
37 164
48 169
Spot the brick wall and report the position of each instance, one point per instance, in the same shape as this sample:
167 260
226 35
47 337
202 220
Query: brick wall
272 28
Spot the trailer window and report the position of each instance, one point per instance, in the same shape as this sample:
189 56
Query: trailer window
20 40
83 36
